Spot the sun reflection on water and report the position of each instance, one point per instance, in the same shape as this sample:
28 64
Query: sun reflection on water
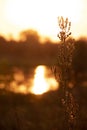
42 83
37 83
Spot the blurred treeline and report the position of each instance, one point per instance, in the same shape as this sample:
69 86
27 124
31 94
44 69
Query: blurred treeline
29 50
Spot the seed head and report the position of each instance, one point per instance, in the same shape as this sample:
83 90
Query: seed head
65 26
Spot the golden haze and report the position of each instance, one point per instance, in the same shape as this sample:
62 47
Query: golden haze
41 15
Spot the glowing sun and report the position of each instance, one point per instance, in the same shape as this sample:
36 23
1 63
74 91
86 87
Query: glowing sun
41 15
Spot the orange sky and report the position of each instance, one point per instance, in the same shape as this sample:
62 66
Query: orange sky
41 15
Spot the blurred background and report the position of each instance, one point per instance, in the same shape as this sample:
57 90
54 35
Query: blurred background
30 95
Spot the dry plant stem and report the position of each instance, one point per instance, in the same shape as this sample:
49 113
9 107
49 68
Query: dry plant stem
64 62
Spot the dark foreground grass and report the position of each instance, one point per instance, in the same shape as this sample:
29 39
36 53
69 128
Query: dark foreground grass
45 112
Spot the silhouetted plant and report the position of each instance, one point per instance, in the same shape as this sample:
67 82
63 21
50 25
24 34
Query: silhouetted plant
65 28
63 71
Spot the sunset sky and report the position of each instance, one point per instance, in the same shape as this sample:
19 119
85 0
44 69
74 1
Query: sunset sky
41 15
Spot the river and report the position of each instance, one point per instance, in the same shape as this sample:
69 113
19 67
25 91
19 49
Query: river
36 80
